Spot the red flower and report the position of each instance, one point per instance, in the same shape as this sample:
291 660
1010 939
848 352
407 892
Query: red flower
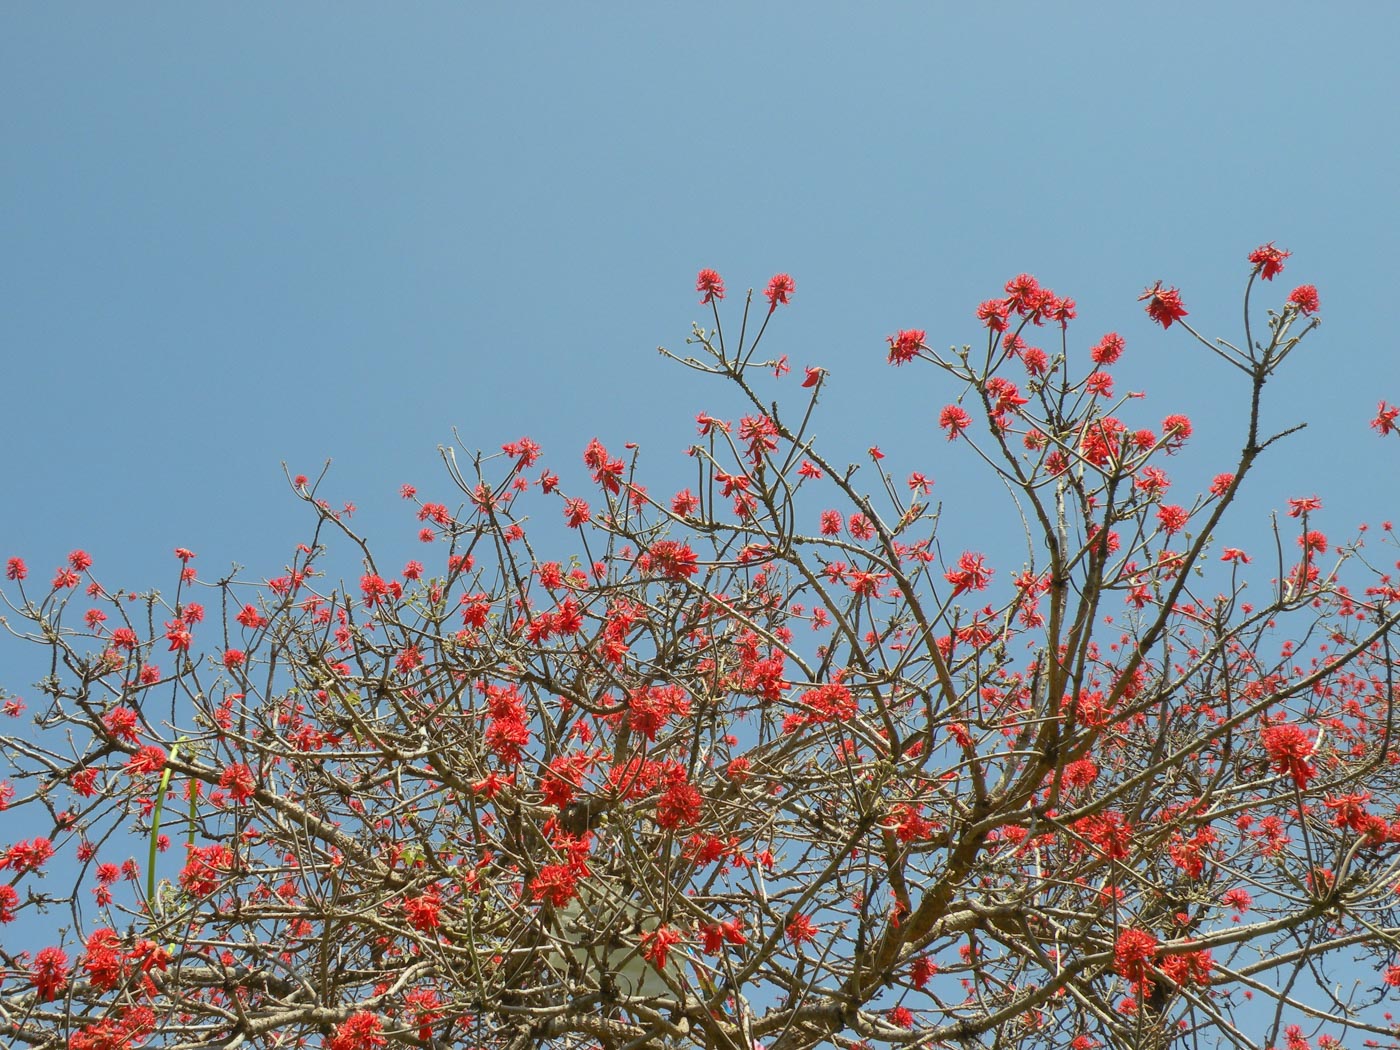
971 574
576 512
50 973
238 780
408 659
1289 747
921 971
80 560
1109 349
423 911
992 313
556 883
234 658
712 284
814 376
1384 422
1163 305
679 805
779 290
904 345
1175 430
360 1031
102 960
901 1017
150 759
1268 260
673 560
954 419
250 617
15 569
1132 955
204 867
1304 297
1172 517
801 929
657 945
1023 294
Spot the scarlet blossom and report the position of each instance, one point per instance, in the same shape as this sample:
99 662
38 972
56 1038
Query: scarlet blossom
1163 304
657 945
685 503
712 284
801 930
921 971
1023 294
80 560
955 420
1299 507
1268 260
1133 954
972 574
1108 350
1099 384
177 633
1304 297
204 866
1175 430
1060 309
360 1031
576 513
1384 423
1035 360
121 723
679 805
673 560
150 759
16 570
234 658
423 912
779 290
1173 518
1238 899
408 659
9 901
1235 554
238 780
904 345
249 617
992 313
29 855
901 1017
813 376
1289 747
49 974
103 961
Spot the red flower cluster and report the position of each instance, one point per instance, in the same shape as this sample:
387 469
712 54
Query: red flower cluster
1133 955
1268 260
1163 304
1289 747
779 290
673 560
1304 297
712 284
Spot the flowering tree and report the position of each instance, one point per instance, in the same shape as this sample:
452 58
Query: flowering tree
770 762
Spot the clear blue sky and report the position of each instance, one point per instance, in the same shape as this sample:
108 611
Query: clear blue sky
236 235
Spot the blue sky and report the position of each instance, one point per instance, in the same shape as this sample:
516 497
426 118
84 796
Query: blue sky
237 236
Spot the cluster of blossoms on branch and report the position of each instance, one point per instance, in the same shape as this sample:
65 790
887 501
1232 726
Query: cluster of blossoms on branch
780 759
